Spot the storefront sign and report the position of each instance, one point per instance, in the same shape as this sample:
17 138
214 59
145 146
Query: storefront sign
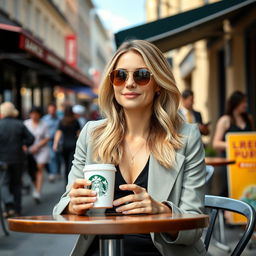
36 49
71 50
32 47
242 174
53 60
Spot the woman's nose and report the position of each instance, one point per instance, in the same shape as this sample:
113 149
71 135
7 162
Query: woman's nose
130 83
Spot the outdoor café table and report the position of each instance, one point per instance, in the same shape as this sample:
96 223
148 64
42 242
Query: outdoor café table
109 227
218 161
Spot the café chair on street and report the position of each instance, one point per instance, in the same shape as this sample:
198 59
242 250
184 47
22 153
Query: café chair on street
3 168
218 203
221 242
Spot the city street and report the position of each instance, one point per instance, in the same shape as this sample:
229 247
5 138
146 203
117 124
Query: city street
28 244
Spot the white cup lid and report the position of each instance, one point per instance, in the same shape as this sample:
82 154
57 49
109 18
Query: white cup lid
99 167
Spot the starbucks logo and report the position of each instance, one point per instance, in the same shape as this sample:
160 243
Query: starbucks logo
99 184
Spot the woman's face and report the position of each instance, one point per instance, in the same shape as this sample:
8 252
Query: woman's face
130 95
35 116
242 107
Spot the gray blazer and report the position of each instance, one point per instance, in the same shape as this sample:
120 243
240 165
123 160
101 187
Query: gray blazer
181 186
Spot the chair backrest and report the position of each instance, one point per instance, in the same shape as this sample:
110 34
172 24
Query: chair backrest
216 203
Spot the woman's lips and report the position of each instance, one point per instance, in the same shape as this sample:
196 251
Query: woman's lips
131 95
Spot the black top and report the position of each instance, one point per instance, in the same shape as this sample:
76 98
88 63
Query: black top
232 128
235 128
13 135
69 134
134 244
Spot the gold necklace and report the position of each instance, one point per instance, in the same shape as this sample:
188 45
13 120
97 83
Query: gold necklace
133 156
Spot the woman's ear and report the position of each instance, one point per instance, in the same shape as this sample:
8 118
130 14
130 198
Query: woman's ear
158 89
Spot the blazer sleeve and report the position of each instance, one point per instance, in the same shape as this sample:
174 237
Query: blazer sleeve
76 172
193 187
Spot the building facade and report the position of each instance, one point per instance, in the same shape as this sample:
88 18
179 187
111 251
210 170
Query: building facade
214 67
101 47
46 51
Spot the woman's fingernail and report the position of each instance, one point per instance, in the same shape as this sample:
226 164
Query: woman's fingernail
118 209
94 193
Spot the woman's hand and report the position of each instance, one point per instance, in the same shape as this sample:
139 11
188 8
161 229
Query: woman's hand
81 198
34 149
139 202
56 140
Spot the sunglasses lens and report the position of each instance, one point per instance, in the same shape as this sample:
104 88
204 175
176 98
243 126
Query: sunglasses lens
141 76
118 77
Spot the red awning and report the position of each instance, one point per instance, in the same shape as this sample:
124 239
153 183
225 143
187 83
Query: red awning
34 47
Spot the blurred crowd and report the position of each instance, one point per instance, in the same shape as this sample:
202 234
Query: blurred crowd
47 142
234 119
39 143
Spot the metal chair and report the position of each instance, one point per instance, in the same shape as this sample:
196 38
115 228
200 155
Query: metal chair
217 203
3 168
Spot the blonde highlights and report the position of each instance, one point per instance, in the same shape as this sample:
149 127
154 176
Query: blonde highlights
164 138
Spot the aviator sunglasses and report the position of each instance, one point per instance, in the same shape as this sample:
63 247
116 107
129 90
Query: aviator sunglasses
141 76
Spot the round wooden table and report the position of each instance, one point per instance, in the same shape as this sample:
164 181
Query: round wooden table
218 161
109 227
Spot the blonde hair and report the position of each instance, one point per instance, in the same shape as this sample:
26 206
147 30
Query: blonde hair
163 138
7 109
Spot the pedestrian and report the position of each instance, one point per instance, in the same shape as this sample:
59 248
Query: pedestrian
52 120
191 115
40 149
94 113
159 157
79 112
13 136
235 119
68 130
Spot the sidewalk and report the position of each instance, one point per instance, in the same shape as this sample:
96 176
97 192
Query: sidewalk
29 244
232 235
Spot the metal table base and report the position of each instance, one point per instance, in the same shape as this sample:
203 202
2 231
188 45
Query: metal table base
111 245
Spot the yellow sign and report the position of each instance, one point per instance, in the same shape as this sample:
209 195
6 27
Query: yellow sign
242 174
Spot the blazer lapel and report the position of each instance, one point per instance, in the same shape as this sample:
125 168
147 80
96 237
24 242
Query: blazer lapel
161 179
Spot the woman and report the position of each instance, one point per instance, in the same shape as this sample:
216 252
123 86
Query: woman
160 159
68 130
235 119
39 149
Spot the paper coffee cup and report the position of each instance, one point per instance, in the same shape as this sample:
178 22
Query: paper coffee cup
102 177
